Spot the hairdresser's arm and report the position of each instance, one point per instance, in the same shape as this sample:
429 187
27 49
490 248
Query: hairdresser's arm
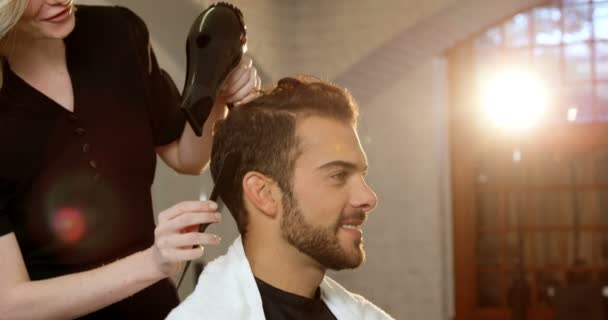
190 153
75 295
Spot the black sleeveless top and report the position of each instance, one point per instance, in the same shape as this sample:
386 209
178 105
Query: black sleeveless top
75 186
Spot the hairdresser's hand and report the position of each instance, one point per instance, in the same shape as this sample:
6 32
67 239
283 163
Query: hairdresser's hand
243 83
176 237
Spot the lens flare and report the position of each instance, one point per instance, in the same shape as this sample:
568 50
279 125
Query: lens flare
69 224
514 100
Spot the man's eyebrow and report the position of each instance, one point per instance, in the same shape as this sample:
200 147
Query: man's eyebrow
342 164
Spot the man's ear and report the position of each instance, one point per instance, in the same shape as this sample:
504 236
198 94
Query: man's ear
258 191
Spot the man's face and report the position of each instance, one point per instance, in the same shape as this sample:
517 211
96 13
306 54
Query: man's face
330 199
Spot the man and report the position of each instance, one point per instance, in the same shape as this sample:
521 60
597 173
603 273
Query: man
299 198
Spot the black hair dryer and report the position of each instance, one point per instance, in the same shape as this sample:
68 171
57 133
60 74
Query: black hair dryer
215 45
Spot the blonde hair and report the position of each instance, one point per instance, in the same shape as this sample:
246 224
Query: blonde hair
10 13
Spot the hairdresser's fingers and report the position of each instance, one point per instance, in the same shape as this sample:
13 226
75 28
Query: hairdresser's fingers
186 206
168 261
241 70
252 95
258 81
244 91
245 77
187 240
185 220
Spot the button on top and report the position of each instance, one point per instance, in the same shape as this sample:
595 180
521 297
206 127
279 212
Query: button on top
80 131
72 117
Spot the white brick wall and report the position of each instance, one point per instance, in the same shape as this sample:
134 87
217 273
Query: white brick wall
402 134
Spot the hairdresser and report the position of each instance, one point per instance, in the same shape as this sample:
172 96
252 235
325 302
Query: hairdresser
84 110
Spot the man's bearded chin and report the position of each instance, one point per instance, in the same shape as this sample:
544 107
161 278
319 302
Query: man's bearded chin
320 243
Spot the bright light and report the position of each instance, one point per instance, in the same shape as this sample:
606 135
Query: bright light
516 155
572 112
514 100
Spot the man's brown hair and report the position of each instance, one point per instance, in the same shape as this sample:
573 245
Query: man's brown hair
263 132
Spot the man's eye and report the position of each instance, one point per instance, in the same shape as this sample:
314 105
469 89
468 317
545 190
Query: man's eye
339 176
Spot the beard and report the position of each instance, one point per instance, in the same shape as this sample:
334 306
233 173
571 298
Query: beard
319 242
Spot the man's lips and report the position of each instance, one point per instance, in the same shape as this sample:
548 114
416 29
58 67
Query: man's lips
353 222
355 219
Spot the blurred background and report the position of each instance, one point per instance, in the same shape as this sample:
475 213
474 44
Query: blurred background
484 122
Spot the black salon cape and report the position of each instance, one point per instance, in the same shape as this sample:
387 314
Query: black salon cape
75 187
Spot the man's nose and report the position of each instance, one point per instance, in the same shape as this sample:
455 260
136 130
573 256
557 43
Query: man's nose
365 198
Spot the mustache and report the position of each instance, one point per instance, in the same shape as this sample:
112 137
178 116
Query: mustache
358 215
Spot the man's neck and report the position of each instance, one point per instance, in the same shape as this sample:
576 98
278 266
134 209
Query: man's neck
282 266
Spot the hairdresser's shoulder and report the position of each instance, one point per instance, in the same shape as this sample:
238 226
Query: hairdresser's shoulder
110 16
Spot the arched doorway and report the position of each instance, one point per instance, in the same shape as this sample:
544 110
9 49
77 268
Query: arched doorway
531 206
